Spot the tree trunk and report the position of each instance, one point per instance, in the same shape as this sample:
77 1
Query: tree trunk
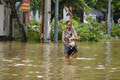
22 30
10 34
21 27
42 21
106 12
47 19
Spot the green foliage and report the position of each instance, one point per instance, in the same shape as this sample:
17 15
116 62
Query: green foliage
35 6
34 22
89 19
75 23
86 32
90 32
33 31
115 4
115 31
78 4
33 35
61 27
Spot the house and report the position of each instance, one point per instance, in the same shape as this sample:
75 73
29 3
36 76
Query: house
8 28
94 14
66 15
4 20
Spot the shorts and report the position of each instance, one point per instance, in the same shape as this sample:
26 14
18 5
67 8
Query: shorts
70 51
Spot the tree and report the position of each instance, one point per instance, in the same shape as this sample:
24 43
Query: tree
35 6
115 4
14 14
77 7
47 20
42 21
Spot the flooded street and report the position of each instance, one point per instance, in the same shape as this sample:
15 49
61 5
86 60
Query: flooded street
34 61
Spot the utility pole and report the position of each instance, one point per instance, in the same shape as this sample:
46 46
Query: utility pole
109 17
56 21
47 19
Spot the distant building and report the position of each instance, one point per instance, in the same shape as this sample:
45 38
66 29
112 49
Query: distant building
4 20
94 14
66 15
7 23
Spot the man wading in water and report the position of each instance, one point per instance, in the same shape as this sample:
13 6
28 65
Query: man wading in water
69 36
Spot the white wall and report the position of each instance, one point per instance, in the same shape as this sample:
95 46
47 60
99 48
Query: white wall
4 20
1 19
7 20
65 12
94 13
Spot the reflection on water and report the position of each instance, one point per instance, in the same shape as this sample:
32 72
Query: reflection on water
108 60
33 61
47 63
69 70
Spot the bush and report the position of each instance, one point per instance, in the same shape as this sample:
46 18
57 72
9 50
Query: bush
33 35
90 32
33 31
61 27
115 31
34 22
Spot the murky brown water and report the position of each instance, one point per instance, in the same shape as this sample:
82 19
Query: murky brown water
33 61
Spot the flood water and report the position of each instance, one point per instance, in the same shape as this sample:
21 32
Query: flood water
34 61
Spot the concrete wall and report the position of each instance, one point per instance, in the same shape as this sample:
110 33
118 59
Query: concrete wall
4 20
1 19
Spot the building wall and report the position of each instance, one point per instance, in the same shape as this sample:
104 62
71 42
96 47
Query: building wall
65 14
1 19
4 20
93 14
